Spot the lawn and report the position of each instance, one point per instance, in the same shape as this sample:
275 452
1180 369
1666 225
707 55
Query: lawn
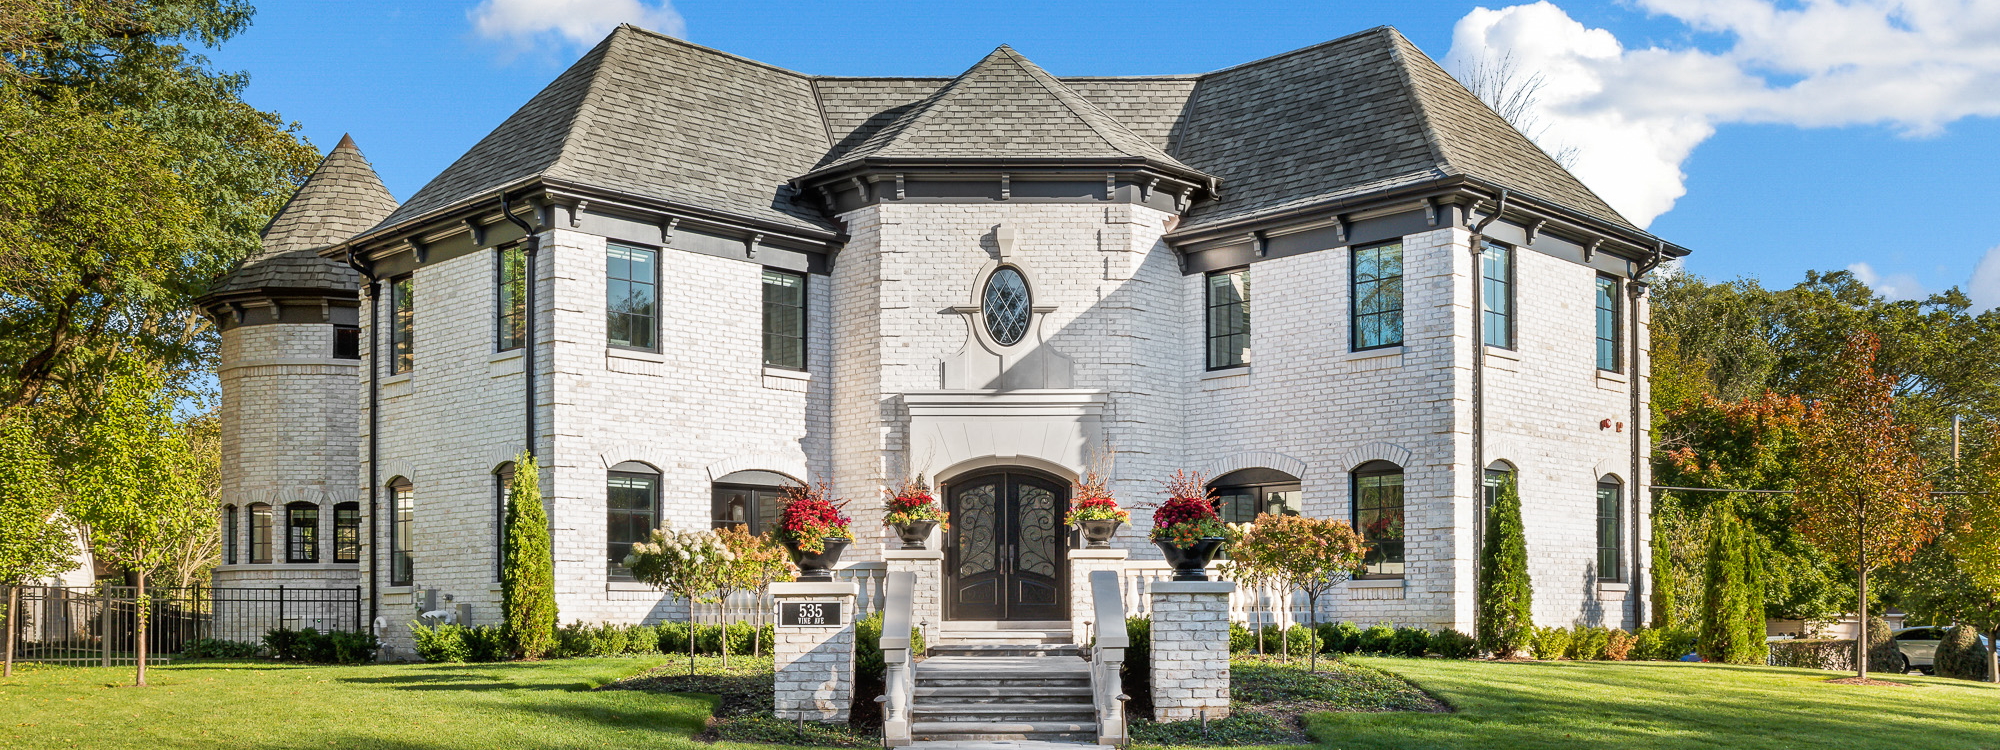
1572 705
253 704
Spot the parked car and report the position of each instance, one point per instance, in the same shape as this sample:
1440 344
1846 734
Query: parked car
1919 646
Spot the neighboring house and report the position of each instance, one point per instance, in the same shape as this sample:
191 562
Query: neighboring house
744 278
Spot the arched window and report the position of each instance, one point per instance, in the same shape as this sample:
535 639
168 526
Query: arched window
1610 515
1007 305
347 533
632 510
503 492
1378 515
301 533
1240 496
229 532
260 533
402 532
1496 474
748 499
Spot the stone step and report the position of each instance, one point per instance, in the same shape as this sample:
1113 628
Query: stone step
1002 671
997 731
989 691
1015 684
1006 649
1003 712
1003 638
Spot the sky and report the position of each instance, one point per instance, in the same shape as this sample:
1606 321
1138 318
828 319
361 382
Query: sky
1770 137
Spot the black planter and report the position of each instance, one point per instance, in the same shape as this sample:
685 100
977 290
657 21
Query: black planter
915 533
1097 531
1191 562
818 568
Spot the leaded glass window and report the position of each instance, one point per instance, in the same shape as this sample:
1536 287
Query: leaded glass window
631 294
1378 296
511 324
1608 315
1496 295
1007 306
1378 515
1610 513
1228 318
784 319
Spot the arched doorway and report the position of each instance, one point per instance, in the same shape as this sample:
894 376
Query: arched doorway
1005 559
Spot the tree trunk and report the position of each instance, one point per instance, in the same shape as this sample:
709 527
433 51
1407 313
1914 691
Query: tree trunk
142 610
1861 636
1312 603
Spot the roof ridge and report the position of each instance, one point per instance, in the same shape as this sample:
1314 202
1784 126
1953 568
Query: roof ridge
708 49
1301 50
1416 99
1030 68
587 103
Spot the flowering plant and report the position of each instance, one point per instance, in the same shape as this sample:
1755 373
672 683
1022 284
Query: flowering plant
1189 514
691 564
808 519
1092 501
914 502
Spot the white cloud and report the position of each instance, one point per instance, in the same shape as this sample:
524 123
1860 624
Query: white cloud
579 22
1895 286
1634 115
1984 287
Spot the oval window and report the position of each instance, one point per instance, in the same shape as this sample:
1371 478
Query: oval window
1007 307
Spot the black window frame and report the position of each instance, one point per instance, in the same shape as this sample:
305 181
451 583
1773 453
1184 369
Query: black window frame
1489 485
402 533
1510 284
762 506
615 550
771 336
1260 485
1378 553
402 325
230 543
346 342
260 519
347 532
1612 318
1611 552
510 298
651 319
1354 293
503 494
301 533
1209 324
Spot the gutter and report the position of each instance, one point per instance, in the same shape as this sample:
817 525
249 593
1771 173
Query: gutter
374 431
1479 392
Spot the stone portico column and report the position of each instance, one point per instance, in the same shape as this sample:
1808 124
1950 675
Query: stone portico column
1083 562
1190 649
927 600
815 663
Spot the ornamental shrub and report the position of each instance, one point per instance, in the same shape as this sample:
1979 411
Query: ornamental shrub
1241 639
1297 640
1961 655
487 643
1506 620
1732 607
642 639
1377 640
1618 646
317 647
1411 642
1344 638
1551 643
443 643
1883 655
1835 655
527 577
868 663
217 648
1588 643
1452 644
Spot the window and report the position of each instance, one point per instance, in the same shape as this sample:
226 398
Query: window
784 319
748 499
503 492
632 504
1496 474
1228 319
1610 508
1007 306
1378 515
260 533
630 293
347 533
510 325
346 342
1377 278
402 568
1496 271
229 532
1244 494
1608 315
301 533
402 316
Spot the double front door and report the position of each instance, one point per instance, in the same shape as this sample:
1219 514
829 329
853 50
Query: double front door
1006 556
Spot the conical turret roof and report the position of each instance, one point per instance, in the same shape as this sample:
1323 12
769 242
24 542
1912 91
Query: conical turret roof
342 198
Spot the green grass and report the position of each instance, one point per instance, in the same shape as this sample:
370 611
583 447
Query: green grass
254 704
1589 705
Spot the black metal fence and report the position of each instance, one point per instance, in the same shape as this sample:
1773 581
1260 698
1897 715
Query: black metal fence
98 625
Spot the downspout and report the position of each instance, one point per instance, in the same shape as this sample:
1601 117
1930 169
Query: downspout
527 323
1637 591
374 433
1479 395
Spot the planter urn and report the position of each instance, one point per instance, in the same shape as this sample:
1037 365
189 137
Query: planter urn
1191 561
818 567
1097 532
915 533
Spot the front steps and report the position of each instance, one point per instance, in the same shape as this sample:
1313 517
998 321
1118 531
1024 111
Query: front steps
1030 687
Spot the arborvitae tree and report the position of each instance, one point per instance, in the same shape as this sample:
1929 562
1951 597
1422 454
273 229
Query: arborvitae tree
1506 599
1960 654
528 580
1665 578
1732 611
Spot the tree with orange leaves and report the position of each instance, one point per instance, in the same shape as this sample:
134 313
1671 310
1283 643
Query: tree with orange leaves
1862 494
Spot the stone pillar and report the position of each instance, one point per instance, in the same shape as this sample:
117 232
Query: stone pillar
1190 649
1083 562
927 602
815 664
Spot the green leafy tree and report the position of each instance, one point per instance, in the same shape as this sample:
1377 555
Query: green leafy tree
693 565
143 493
1732 607
1506 597
528 580
36 539
1309 555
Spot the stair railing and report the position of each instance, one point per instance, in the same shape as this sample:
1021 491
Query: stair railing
899 678
1107 657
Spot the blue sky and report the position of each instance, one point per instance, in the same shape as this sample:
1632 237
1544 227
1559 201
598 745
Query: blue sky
1770 139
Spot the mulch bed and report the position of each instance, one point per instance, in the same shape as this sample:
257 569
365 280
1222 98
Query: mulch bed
1269 699
744 713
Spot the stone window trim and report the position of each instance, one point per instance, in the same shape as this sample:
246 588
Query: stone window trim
975 309
1368 298
301 532
1380 504
1232 347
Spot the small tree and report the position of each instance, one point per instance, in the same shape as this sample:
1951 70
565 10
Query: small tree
1732 611
1506 597
142 493
1862 496
693 565
1665 579
1311 555
1972 538
528 580
756 563
36 539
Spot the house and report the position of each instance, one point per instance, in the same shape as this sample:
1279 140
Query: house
1331 280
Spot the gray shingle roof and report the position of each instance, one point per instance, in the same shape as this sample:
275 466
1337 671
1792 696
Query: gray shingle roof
341 198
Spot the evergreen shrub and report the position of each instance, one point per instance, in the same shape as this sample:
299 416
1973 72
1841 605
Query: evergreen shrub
1588 643
1241 639
1883 655
217 648
1506 621
321 647
1452 644
1379 639
1732 607
1339 638
527 578
1619 644
1551 643
868 663
1411 642
442 643
1961 655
